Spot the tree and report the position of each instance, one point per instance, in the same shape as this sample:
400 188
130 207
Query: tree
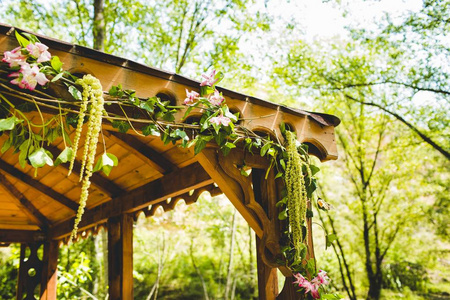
354 79
170 35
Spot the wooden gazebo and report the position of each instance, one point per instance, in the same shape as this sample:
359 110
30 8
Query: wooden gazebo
39 210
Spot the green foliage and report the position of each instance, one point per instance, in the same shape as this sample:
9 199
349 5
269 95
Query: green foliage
9 262
397 276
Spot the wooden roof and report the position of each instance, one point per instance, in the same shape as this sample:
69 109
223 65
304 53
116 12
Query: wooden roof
149 174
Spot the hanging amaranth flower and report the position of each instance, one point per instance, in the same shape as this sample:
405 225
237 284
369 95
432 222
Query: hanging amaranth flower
93 93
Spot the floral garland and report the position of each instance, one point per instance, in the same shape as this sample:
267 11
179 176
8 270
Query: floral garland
31 64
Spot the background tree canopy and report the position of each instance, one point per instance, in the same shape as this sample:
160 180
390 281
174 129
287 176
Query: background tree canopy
386 77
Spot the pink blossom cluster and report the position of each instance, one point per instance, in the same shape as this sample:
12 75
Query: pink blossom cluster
220 120
29 75
209 80
215 99
313 285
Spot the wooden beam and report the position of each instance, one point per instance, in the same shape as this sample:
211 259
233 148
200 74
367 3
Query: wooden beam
25 178
267 277
120 257
24 204
20 236
106 186
49 271
141 150
176 183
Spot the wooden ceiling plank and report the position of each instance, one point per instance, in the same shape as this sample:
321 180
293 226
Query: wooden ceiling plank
20 236
107 186
11 170
176 183
24 204
141 150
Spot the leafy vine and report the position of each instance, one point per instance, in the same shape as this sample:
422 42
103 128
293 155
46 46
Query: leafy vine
33 68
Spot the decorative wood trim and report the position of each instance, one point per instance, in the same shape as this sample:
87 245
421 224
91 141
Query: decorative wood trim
120 257
141 150
24 204
25 178
169 205
176 183
28 281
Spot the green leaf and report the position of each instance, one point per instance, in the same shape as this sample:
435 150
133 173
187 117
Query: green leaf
9 123
206 90
168 116
122 126
265 148
311 188
282 215
219 76
329 239
24 149
150 129
57 77
116 91
76 94
105 163
314 169
283 128
40 158
6 145
56 64
220 138
200 144
31 37
65 156
283 164
227 147
149 105
22 41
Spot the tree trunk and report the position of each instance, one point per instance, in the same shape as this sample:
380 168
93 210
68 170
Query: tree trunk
230 260
374 289
99 28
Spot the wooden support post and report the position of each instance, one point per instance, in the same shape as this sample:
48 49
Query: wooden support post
267 277
120 257
49 270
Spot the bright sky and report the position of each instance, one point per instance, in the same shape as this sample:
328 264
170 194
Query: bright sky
321 18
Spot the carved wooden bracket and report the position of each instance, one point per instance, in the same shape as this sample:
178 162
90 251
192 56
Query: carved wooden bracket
253 196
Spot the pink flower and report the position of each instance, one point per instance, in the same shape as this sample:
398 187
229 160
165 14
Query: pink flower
191 97
220 120
28 77
322 277
300 279
209 79
216 99
313 286
39 51
315 291
14 57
